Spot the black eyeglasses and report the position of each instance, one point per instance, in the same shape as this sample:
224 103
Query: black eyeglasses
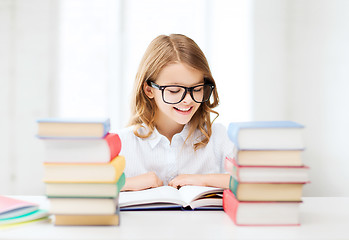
173 94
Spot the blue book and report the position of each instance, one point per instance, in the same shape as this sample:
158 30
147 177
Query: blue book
267 135
77 128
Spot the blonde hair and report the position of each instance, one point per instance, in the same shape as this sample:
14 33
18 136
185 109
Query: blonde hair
162 51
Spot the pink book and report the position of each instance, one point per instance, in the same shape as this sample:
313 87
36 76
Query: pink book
11 207
267 174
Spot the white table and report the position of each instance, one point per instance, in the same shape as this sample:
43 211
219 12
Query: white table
322 218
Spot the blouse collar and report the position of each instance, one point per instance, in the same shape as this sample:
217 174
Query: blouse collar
155 138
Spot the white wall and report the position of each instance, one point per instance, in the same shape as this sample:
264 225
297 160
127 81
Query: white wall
27 37
301 74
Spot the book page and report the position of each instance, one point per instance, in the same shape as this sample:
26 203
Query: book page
163 194
191 193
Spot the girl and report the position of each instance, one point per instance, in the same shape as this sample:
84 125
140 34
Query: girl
171 140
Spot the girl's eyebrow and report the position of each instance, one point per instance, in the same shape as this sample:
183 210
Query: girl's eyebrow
180 84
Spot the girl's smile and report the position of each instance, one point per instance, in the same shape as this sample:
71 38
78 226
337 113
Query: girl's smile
184 111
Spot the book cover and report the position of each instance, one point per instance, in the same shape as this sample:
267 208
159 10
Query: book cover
27 217
11 207
84 172
85 190
187 197
73 128
82 150
245 213
267 135
266 191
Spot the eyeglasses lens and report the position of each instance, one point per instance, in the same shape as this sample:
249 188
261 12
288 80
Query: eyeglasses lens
175 94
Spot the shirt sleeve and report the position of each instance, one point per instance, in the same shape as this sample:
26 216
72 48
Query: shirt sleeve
131 151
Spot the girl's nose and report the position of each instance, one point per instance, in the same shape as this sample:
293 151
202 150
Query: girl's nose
187 98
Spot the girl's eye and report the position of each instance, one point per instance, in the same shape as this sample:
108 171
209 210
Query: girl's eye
199 89
173 90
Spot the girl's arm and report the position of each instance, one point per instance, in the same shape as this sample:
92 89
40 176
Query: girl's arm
141 182
209 180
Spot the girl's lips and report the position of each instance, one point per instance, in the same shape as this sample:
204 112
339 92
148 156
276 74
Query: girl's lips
184 111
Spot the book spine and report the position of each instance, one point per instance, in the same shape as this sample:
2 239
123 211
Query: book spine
119 164
230 204
121 182
106 126
114 143
233 133
233 185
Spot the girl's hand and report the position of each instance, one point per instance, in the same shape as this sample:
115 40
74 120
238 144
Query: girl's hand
141 182
187 179
209 180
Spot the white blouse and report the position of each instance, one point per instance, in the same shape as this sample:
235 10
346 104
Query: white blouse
167 160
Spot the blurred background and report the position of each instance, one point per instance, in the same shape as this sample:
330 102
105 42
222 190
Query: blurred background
271 59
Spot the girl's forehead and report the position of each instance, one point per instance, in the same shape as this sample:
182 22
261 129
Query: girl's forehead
179 74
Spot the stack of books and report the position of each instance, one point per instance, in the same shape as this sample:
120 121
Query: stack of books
267 173
83 171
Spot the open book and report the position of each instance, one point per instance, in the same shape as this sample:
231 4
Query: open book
166 197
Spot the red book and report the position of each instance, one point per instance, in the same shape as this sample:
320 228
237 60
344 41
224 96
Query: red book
245 213
267 174
82 150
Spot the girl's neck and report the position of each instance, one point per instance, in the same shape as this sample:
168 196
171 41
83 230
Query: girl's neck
169 130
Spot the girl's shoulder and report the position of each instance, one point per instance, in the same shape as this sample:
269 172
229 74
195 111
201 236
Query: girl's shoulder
129 132
219 134
218 129
126 132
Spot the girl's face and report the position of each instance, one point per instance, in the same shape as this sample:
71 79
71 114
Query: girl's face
179 113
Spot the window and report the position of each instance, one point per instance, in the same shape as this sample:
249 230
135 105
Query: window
102 42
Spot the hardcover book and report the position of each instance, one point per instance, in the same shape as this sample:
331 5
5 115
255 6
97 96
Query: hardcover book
84 172
83 206
269 157
267 174
73 128
84 190
267 135
246 213
101 150
87 220
266 191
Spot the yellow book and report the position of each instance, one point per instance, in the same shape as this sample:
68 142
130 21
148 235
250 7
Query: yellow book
85 172
87 220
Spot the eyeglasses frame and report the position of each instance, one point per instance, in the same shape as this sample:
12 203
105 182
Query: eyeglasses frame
186 89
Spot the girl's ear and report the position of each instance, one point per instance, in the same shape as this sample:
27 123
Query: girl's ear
148 90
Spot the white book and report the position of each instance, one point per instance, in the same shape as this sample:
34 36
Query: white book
82 150
88 206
